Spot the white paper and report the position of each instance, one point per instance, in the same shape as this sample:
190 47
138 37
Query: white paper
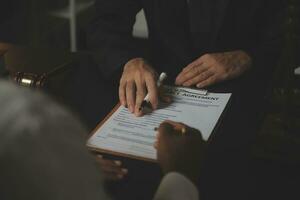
127 134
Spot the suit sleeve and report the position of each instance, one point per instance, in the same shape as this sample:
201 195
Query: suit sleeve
109 36
268 43
176 186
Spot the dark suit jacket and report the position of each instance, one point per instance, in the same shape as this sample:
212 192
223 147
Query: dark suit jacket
253 26
14 21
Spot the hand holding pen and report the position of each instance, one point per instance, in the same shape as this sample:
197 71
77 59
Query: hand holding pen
138 79
176 143
146 102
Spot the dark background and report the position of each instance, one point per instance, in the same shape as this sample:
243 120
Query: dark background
274 159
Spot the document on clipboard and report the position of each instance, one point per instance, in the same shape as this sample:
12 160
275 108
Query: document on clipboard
123 134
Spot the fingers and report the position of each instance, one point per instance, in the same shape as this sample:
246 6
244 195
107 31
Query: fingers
165 128
201 77
190 74
219 67
197 72
112 169
193 64
209 81
166 131
176 125
138 78
177 128
170 132
130 95
140 95
152 91
171 128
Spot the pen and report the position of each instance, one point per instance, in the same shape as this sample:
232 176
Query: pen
146 101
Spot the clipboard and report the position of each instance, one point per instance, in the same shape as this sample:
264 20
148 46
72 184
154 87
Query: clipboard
113 153
136 157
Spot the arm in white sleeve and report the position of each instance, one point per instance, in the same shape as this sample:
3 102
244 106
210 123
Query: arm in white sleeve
176 186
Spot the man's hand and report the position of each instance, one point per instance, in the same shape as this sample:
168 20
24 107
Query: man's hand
138 79
213 68
112 170
180 149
